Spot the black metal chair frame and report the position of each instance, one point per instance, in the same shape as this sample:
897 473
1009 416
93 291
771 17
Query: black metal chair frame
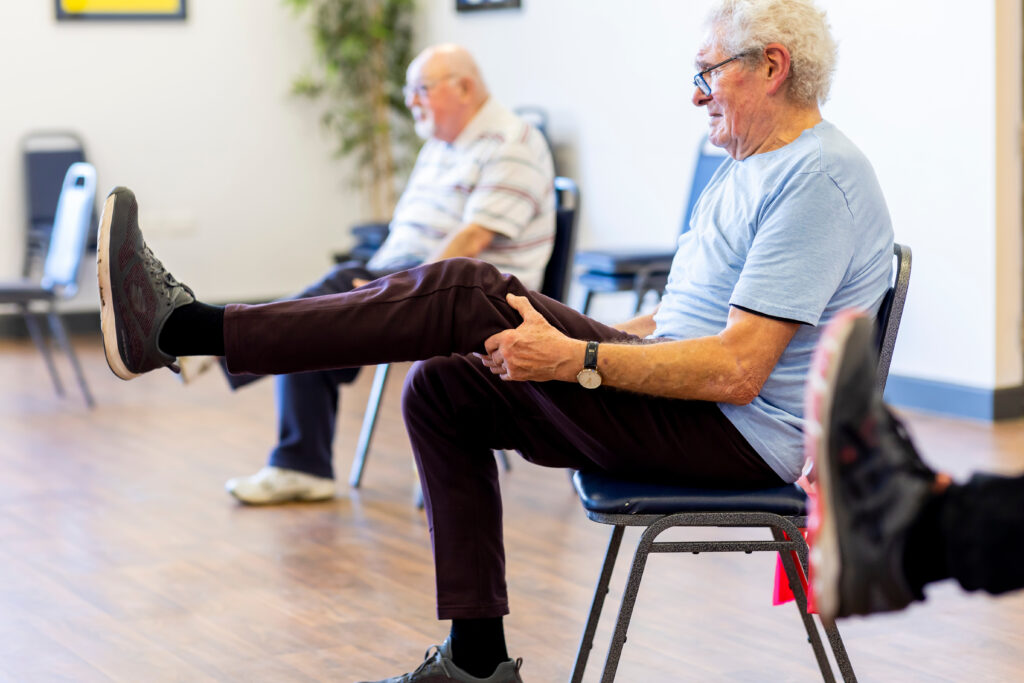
659 508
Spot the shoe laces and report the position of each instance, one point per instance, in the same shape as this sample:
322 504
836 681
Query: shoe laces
428 658
156 269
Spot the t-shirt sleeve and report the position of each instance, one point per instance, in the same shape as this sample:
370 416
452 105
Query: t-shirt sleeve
510 190
801 252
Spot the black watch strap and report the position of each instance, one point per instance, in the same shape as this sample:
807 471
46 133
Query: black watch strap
590 358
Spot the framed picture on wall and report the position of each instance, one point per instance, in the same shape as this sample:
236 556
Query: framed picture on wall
73 10
474 5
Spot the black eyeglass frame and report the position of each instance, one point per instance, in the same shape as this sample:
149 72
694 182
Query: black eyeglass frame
702 83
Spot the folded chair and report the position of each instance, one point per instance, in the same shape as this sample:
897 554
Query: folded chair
555 285
658 507
72 225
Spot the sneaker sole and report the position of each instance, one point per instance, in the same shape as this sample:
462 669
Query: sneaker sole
108 320
825 557
290 498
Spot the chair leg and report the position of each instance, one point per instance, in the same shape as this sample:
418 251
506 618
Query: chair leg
636 573
588 298
503 459
37 338
380 376
61 335
597 604
800 598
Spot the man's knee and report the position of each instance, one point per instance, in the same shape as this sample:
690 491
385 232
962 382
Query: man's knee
469 271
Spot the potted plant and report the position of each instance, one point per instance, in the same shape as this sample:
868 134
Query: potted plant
362 49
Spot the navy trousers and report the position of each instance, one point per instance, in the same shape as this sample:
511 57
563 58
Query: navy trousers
456 411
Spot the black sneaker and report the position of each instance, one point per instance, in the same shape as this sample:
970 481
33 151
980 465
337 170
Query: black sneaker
137 294
438 667
871 483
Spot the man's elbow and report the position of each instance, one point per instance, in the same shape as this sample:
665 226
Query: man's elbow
745 387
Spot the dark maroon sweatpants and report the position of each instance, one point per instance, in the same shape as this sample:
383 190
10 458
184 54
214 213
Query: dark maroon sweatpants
456 411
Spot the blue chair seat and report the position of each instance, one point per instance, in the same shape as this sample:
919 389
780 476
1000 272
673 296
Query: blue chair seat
604 494
24 291
625 261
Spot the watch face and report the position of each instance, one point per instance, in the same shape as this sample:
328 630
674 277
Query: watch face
589 378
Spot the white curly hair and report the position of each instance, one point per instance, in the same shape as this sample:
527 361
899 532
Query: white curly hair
747 26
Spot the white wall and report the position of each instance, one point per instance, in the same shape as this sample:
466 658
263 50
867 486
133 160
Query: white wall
237 189
916 88
240 196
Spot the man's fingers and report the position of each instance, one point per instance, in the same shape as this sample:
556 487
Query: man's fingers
359 282
523 306
492 343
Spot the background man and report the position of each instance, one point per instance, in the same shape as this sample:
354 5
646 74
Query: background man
708 391
481 187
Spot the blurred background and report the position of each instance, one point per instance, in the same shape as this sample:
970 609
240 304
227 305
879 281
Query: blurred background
241 194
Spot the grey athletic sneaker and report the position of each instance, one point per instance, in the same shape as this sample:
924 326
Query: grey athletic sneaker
871 483
137 294
438 667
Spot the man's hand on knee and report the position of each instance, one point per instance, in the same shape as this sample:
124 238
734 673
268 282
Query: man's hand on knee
535 351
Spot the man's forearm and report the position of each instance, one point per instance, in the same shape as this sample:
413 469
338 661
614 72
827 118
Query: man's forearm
641 326
468 241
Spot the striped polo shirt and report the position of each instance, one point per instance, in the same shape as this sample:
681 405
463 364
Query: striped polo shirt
498 174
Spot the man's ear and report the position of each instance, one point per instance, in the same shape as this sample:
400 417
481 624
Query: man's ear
777 65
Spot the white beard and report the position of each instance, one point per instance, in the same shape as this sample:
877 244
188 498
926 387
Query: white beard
424 127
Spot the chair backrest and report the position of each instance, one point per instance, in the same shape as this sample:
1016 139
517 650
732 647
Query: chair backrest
71 228
709 158
46 156
891 312
567 205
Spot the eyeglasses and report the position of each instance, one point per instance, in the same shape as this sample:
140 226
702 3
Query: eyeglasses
702 83
411 92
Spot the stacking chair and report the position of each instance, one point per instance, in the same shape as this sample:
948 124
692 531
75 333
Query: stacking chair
66 243
555 285
642 270
46 156
658 507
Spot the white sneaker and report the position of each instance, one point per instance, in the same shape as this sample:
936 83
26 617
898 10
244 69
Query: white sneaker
194 366
277 485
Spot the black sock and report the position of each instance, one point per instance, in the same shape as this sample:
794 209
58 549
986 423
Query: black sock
195 329
924 559
478 645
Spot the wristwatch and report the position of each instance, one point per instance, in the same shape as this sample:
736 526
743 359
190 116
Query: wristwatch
589 377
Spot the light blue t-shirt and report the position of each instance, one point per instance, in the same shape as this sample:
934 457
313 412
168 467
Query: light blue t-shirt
801 232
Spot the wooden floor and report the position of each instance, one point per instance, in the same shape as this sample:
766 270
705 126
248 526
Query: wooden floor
121 558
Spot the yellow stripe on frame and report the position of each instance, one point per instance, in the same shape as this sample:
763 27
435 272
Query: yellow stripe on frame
121 6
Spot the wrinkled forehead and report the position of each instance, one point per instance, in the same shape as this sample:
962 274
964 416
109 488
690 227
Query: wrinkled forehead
710 50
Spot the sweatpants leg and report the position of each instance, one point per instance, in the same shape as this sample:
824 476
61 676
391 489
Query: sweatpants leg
983 523
447 307
456 411
338 279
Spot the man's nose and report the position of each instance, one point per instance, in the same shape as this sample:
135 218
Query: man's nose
699 99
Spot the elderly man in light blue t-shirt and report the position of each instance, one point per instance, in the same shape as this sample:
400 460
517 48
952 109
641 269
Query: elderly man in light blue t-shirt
705 392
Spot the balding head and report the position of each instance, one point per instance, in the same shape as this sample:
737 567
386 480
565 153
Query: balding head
444 90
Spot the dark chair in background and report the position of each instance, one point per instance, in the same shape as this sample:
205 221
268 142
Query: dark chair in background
642 270
555 285
66 240
46 156
659 507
